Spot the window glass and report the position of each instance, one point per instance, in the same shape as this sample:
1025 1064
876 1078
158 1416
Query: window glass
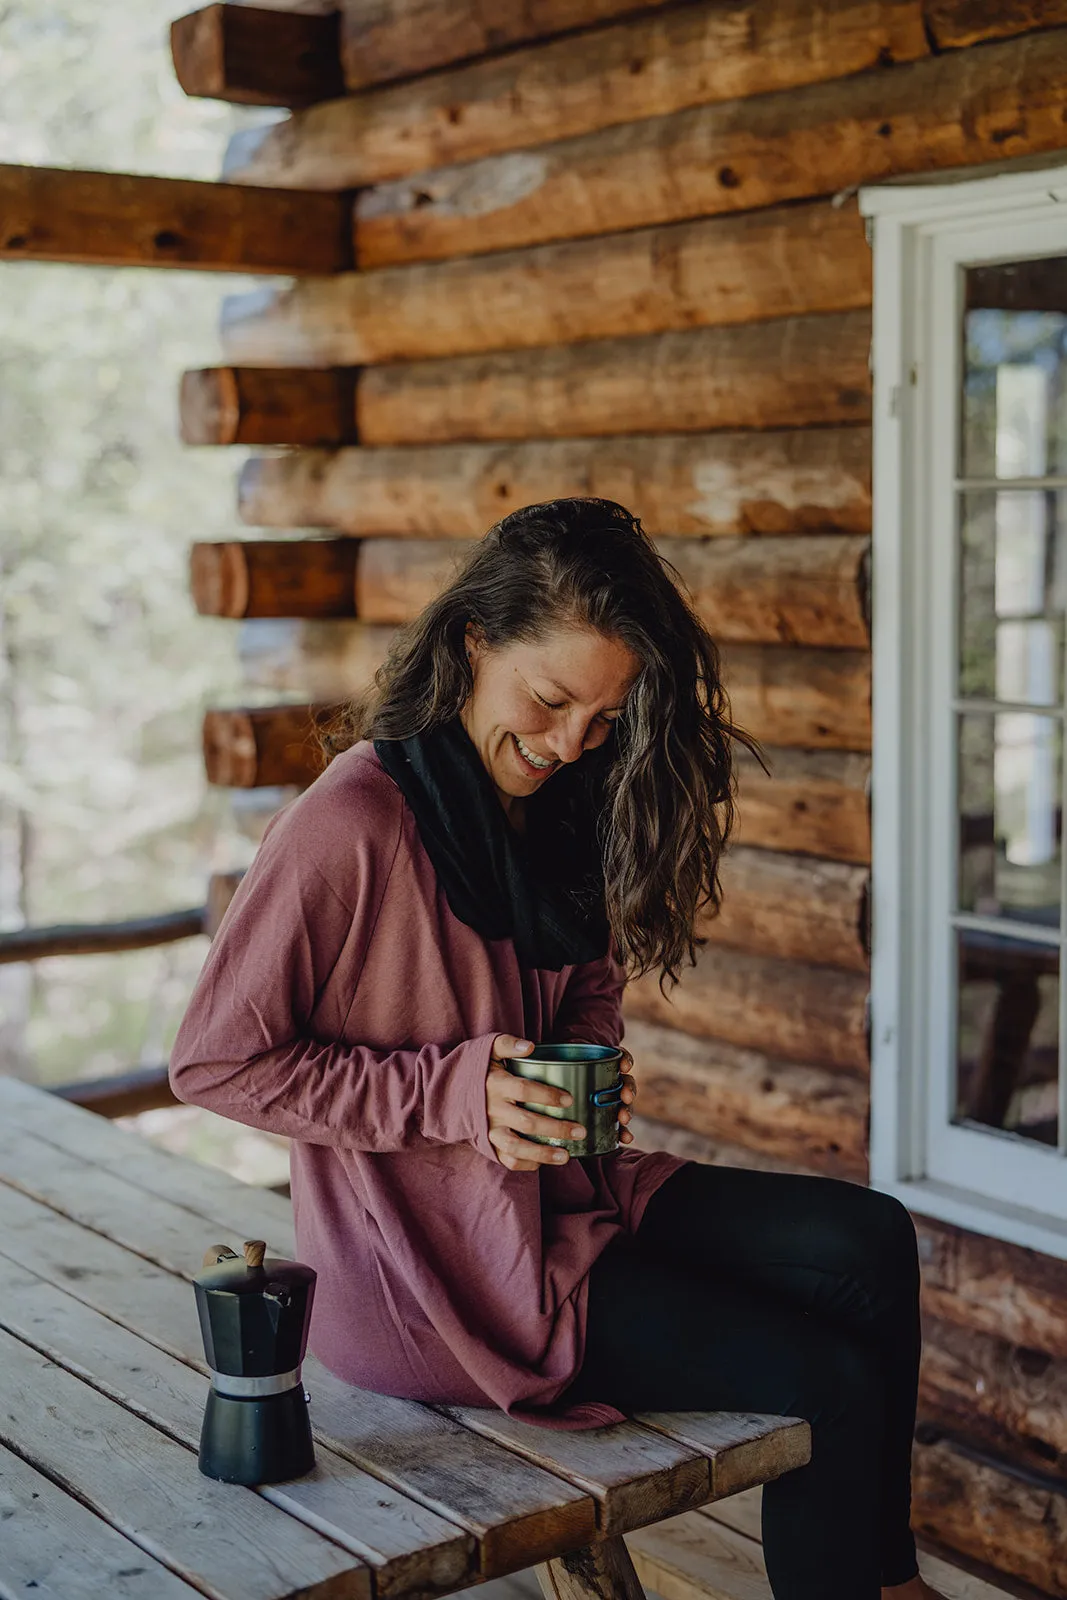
1008 1035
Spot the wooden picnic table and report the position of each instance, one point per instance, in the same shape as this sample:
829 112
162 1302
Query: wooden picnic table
102 1392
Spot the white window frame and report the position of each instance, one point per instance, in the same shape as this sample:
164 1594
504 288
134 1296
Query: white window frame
922 234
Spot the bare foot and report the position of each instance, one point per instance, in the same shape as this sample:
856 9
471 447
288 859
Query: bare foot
914 1589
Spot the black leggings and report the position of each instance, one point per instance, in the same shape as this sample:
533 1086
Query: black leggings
769 1292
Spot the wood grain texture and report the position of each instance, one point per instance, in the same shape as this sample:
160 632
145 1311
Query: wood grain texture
743 1448
601 1571
258 56
385 39
793 1115
222 1538
959 109
792 373
793 907
256 405
274 578
407 1546
998 1288
652 1134
813 801
780 1008
811 699
797 481
57 1549
726 270
691 1559
954 24
648 67
113 219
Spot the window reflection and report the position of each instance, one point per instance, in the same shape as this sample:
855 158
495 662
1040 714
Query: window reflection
1009 777
1013 588
1008 1035
1015 378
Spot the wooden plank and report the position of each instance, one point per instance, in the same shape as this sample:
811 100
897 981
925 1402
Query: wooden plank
648 67
793 907
248 746
634 1475
770 590
120 1094
408 1547
953 24
518 1513
73 938
955 110
690 1559
114 219
219 1536
267 405
802 1013
251 1212
255 56
791 373
813 801
726 270
798 1115
400 38
811 699
56 1548
787 482
274 578
743 1448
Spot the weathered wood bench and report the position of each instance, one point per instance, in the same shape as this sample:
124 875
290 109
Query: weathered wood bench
102 1393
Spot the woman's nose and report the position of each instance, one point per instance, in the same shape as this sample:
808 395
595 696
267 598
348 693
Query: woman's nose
568 742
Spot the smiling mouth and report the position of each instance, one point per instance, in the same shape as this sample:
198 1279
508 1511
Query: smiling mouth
540 772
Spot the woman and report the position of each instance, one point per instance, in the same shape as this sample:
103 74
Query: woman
537 792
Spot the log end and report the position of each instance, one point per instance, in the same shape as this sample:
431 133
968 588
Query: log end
219 580
197 49
230 756
209 406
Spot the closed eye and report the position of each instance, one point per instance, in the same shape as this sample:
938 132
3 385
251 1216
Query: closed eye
557 705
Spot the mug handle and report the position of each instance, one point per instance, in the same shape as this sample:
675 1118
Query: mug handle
608 1097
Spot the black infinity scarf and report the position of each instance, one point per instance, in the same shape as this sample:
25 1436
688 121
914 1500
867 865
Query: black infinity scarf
545 890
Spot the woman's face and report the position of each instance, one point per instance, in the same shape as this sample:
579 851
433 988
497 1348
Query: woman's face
556 698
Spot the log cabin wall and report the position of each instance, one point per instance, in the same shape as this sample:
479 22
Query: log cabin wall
614 249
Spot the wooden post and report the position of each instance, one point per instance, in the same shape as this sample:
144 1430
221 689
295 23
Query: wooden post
113 219
600 1571
268 405
274 578
258 57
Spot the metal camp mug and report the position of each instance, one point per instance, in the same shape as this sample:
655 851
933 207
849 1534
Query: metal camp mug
592 1076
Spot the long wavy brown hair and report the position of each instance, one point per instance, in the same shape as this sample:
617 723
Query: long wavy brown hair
660 790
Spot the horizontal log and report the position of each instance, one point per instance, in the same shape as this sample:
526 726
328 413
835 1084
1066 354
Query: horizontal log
959 109
320 661
775 1108
814 802
811 591
256 56
795 481
114 219
267 405
1011 1400
791 373
651 1134
274 577
100 938
400 38
259 746
691 274
781 1008
808 591
975 1507
791 907
955 23
811 699
124 1094
998 1288
648 67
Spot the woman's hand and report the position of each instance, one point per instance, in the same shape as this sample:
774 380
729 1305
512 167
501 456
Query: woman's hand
629 1095
508 1120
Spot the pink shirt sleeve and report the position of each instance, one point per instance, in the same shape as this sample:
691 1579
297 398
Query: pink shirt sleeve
247 1047
590 1011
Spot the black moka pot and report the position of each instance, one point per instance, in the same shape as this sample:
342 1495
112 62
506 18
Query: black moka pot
254 1316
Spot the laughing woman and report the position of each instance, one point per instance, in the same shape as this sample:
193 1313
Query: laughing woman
529 808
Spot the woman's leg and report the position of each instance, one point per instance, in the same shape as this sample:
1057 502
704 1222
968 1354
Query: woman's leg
845 1254
668 1336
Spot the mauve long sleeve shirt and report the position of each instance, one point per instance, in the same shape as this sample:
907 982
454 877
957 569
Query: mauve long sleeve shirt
343 1005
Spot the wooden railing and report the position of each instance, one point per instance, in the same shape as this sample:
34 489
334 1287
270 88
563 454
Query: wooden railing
144 1088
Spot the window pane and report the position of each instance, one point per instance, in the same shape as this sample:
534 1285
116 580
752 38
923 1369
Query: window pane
1015 383
1008 1039
1010 816
1013 590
